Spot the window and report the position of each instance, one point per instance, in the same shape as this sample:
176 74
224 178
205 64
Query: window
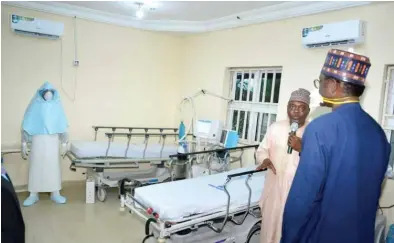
255 94
388 110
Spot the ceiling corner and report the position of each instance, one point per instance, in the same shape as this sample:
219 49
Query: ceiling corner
265 14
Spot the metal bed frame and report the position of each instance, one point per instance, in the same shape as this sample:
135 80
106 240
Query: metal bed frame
248 219
181 164
206 157
161 169
96 166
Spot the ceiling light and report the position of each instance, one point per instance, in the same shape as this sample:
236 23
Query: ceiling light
151 4
147 5
139 14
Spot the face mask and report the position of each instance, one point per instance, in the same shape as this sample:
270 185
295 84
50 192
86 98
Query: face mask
48 96
339 101
324 101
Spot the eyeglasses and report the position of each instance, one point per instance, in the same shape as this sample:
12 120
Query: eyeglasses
316 83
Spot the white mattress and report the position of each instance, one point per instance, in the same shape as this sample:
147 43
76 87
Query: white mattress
91 149
177 200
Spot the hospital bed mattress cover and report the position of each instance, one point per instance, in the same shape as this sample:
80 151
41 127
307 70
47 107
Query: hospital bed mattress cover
175 201
93 149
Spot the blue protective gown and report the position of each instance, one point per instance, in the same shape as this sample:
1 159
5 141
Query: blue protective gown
45 117
335 193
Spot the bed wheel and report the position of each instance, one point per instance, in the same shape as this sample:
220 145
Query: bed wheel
254 234
101 194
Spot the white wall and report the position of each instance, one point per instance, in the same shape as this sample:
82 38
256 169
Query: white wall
206 57
133 77
126 77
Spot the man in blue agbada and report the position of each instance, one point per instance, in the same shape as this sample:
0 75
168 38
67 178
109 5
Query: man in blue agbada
44 126
335 193
12 223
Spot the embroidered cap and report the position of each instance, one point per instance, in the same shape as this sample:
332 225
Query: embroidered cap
346 66
301 95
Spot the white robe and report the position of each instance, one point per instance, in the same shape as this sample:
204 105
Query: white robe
44 164
276 186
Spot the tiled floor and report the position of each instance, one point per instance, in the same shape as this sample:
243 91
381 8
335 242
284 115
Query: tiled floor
77 222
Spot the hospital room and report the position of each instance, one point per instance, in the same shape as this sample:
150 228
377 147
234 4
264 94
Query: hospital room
197 121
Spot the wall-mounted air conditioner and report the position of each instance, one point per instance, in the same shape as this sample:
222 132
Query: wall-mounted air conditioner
341 33
36 27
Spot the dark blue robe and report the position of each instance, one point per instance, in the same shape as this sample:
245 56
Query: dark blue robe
335 193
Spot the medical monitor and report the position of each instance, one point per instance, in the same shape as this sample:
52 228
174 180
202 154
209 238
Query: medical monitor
229 138
209 129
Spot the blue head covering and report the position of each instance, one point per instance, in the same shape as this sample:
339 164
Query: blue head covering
45 117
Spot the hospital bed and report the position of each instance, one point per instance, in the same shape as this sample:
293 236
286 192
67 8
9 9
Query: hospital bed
145 161
211 209
188 164
150 162
216 208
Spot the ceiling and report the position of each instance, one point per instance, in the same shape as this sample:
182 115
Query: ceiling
185 16
176 10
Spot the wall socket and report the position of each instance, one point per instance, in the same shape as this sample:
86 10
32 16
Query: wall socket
76 63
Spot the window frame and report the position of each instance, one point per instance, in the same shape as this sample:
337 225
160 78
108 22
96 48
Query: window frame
388 108
254 107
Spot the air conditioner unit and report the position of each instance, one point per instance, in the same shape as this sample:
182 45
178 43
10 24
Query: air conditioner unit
340 33
36 27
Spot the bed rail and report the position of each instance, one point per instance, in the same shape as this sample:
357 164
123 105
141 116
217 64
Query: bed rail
218 150
248 211
130 129
244 173
161 135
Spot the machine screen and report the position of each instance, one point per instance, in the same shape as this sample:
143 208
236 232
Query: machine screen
223 137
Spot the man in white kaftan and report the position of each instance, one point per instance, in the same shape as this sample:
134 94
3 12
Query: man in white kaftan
282 165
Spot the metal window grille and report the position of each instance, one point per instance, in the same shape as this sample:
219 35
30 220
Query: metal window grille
255 94
388 110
